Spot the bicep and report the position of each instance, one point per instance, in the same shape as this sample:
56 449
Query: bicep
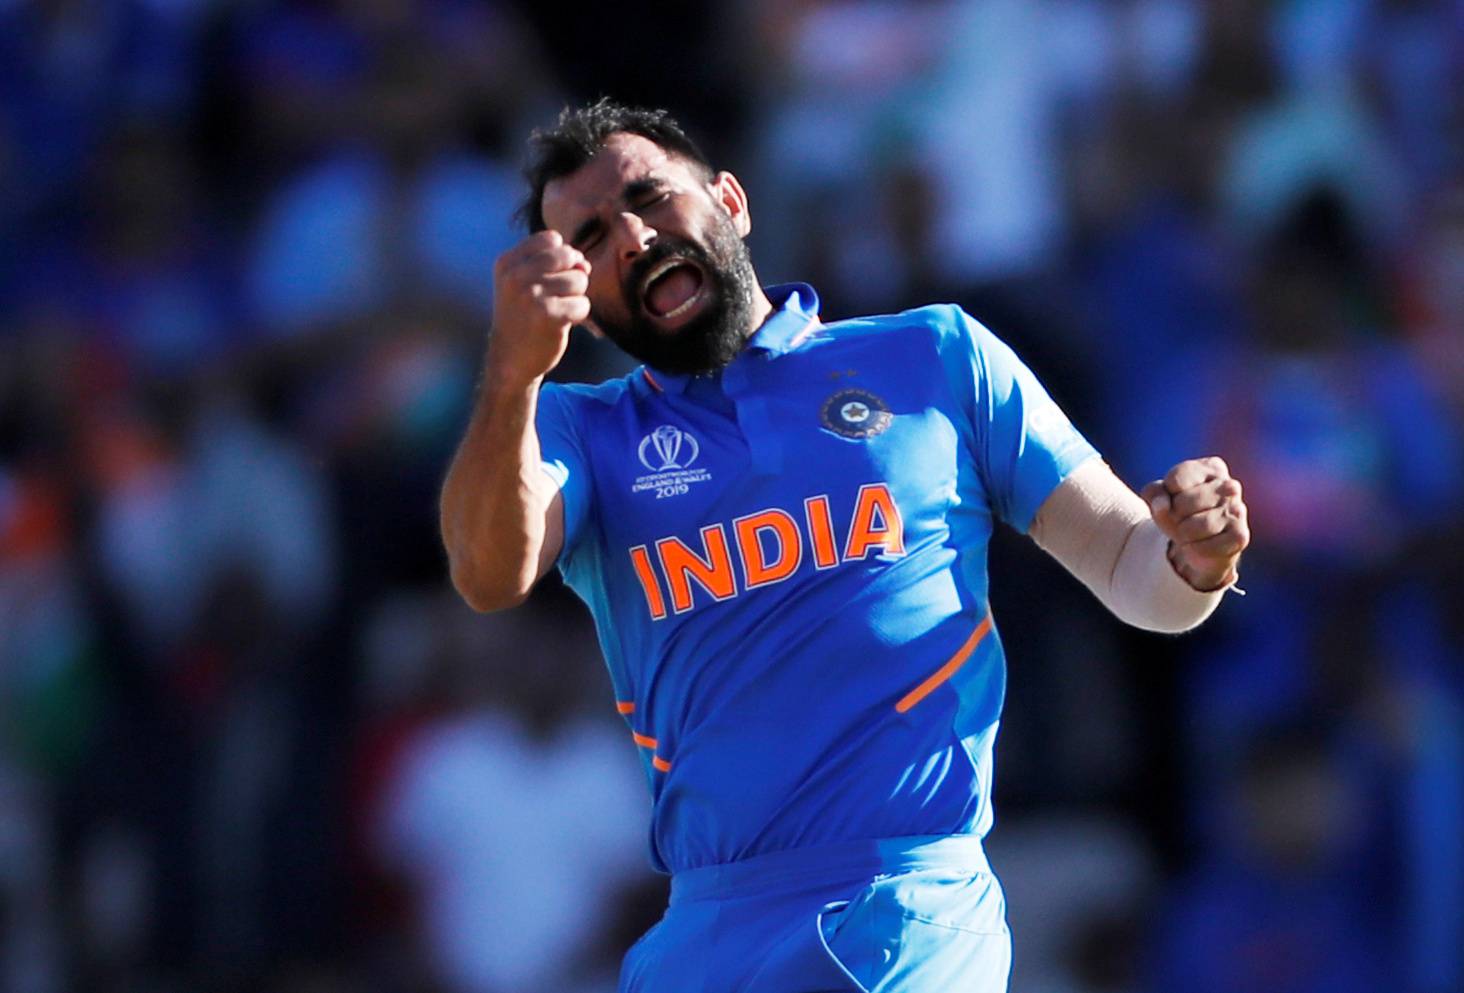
1024 443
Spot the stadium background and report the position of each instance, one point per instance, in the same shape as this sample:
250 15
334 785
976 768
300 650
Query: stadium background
249 739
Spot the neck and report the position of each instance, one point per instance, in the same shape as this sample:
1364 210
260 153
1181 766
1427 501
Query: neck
762 309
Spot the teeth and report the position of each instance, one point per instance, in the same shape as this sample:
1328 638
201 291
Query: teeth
666 266
685 305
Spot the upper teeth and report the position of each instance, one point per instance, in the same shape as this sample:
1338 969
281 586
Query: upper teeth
684 306
666 266
656 273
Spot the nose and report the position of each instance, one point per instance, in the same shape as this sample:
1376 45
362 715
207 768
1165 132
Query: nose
632 235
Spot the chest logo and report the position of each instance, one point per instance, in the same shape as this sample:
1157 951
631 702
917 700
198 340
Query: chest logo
668 447
856 414
670 454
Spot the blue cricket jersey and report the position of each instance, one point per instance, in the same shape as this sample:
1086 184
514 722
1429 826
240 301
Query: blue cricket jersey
786 564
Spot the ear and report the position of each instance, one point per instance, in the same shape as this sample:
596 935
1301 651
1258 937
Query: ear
730 196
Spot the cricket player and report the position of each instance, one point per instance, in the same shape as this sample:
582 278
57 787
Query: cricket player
780 527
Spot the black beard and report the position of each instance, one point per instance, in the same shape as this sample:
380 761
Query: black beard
714 337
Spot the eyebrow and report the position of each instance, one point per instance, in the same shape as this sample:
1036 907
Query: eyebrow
633 190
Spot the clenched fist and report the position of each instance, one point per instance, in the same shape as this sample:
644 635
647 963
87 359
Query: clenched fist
1199 508
539 289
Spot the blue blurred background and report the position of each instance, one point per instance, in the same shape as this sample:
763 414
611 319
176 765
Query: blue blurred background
251 741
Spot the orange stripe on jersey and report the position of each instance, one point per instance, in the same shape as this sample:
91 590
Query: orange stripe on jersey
946 671
625 706
652 380
642 740
808 329
660 764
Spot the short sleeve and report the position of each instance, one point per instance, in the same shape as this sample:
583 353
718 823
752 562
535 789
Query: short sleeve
1025 444
564 461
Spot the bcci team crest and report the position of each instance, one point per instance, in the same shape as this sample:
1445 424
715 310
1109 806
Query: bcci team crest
670 454
856 414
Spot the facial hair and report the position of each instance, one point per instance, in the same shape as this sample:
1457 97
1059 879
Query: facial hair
714 337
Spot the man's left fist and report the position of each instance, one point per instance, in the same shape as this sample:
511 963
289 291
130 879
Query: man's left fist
1198 507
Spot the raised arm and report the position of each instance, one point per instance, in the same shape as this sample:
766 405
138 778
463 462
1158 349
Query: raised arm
502 517
1160 561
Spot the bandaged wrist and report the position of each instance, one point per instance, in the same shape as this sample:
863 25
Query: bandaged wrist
1102 533
1227 584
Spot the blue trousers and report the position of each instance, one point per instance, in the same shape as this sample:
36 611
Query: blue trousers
900 915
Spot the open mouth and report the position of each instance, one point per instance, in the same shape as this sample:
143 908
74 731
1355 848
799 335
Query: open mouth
672 289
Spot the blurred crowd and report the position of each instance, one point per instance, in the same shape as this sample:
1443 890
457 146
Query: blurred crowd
251 741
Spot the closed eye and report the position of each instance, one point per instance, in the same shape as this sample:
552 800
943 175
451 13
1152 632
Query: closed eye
639 196
646 192
588 236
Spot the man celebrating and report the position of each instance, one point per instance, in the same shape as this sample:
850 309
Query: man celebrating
780 527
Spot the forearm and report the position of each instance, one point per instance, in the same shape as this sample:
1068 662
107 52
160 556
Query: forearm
496 499
1102 533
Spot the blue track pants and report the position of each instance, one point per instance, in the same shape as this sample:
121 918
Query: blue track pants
900 915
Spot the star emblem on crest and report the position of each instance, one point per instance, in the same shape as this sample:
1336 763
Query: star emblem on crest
856 413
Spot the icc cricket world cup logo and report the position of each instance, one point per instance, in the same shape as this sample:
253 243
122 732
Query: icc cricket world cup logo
671 447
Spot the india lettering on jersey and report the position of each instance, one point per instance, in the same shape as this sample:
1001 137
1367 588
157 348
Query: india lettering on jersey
770 549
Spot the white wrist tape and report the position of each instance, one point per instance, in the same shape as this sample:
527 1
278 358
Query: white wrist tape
1102 533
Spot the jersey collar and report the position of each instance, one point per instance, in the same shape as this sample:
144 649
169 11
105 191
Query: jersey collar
795 311
794 316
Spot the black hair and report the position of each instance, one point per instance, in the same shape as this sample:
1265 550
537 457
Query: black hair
580 132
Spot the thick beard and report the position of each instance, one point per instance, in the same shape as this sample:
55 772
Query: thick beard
714 337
